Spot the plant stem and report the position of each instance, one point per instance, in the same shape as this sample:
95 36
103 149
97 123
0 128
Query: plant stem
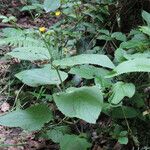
60 79
51 61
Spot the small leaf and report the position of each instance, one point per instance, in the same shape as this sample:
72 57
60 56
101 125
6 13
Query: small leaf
136 43
121 90
42 76
135 65
123 140
55 135
84 103
74 142
51 5
31 119
96 59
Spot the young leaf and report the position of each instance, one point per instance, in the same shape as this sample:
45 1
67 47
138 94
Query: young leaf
96 59
42 76
30 119
51 5
121 90
74 142
135 65
84 103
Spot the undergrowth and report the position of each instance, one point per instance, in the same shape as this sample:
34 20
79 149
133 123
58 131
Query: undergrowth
79 77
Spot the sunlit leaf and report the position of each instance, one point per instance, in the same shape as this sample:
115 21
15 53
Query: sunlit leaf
96 59
42 76
84 103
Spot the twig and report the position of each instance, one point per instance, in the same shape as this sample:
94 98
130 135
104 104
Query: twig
2 25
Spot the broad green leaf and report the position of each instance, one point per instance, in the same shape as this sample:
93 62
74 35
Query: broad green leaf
120 112
96 59
30 119
42 76
124 111
135 65
121 90
84 103
88 71
51 5
119 36
146 17
74 142
30 53
145 54
134 44
91 72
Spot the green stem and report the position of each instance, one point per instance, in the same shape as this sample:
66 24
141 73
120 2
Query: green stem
127 123
51 61
62 84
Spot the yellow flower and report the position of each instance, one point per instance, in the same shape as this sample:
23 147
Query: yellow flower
42 29
57 13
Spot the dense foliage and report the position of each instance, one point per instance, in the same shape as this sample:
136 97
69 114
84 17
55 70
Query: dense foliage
82 70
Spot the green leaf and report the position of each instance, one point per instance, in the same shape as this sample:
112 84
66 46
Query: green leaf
84 103
119 36
145 29
124 111
96 59
30 53
56 134
104 37
30 119
42 76
121 90
51 5
123 140
146 17
120 55
32 7
74 142
134 44
135 65
90 72
3 17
